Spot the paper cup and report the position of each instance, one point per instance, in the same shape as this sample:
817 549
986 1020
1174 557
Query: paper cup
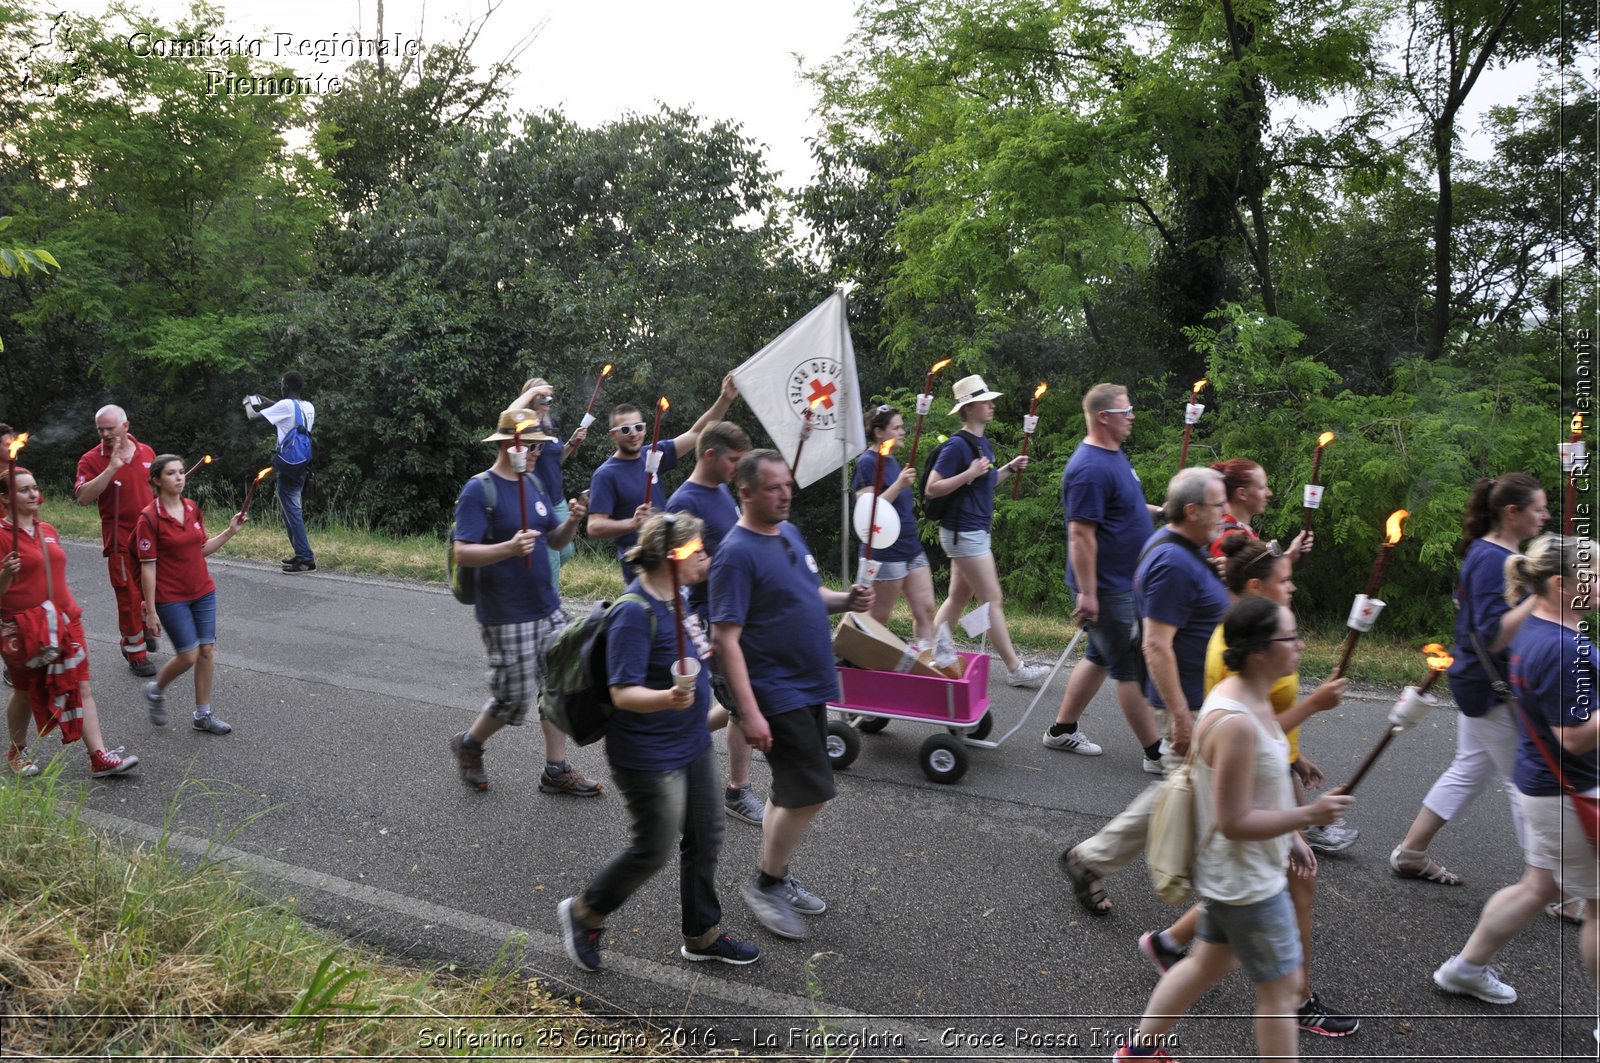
1411 707
1364 613
869 571
1313 496
1192 412
588 419
685 672
1029 423
924 404
652 461
1573 455
519 459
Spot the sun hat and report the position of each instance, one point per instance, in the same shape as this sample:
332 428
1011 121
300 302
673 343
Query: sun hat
507 427
971 389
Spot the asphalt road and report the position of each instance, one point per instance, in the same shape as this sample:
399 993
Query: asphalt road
949 931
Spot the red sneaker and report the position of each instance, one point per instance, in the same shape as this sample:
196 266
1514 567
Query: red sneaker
21 763
103 762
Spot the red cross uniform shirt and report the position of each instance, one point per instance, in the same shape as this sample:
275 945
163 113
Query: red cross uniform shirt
126 494
178 549
28 589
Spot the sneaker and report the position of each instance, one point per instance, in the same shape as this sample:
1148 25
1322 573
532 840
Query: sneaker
1333 838
144 669
211 725
469 762
572 782
151 644
293 567
21 763
1026 675
1484 985
726 948
103 762
582 943
742 803
1159 1054
156 701
1316 1017
1076 742
772 909
1160 957
801 899
1152 767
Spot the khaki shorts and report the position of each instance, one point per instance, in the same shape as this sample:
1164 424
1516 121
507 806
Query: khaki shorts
1554 840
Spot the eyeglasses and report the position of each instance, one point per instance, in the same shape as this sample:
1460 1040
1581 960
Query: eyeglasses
1273 549
629 429
1126 411
1287 638
885 408
543 400
1212 505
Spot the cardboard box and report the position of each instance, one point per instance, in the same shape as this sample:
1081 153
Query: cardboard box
865 643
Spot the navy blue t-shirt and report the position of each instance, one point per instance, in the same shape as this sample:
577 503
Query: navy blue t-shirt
973 508
1480 605
548 467
908 545
768 585
512 591
715 506
1553 671
617 488
671 738
1100 486
1175 585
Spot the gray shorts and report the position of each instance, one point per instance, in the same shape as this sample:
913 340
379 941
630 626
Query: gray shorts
516 664
1264 935
1114 639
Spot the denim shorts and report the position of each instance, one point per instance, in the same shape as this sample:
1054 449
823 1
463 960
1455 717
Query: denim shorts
893 570
963 544
189 624
1264 935
1114 639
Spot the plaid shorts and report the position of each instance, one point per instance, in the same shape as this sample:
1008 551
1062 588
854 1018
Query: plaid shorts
516 664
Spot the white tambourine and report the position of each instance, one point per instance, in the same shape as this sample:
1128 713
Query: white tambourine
1409 710
888 522
588 419
1364 613
1029 423
1313 496
1573 455
1192 412
924 404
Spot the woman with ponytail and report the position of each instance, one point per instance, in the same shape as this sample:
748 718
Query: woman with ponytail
1553 668
1246 484
1502 514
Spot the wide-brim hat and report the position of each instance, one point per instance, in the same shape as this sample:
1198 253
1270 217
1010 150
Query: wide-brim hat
507 428
972 389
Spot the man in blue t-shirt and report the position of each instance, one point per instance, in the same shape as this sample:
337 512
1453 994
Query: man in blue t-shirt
618 501
1108 522
769 618
539 396
705 494
517 607
1181 600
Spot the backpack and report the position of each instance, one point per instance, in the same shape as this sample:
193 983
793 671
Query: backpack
296 446
576 696
464 581
936 509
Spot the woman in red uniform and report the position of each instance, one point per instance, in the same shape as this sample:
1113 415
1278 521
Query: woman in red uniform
179 596
38 612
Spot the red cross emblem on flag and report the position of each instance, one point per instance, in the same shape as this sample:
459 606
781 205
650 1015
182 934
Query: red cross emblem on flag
822 392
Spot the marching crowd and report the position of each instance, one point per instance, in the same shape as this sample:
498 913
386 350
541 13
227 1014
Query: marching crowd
1183 605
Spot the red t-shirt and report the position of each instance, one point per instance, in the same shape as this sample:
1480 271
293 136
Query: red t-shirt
177 548
27 590
126 494
1230 526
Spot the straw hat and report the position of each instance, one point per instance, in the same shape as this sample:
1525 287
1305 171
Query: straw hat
507 428
972 389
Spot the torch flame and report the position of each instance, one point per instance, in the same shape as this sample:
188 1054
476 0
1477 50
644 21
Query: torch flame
206 460
262 475
1577 425
1039 391
17 444
1324 439
663 403
814 403
939 365
1392 527
687 550
1438 658
1198 384
884 448
606 371
523 426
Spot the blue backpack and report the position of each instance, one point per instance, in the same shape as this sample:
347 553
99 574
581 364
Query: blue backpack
296 446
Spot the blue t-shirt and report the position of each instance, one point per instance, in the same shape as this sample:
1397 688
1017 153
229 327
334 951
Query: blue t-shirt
973 508
715 506
548 467
768 585
1175 585
908 545
671 738
1100 486
617 488
1553 671
512 591
1480 604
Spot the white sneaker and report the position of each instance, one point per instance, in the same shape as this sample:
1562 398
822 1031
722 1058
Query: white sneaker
1332 838
1076 742
1026 675
1152 767
1483 985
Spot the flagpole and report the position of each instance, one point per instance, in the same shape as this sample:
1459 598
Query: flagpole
844 508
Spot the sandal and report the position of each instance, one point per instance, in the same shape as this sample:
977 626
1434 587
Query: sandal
1569 910
1089 889
1421 865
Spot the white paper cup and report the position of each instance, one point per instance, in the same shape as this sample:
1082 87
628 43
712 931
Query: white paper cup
1364 613
685 672
652 461
588 419
1192 412
1411 707
1573 455
869 571
924 404
1313 496
1030 422
519 459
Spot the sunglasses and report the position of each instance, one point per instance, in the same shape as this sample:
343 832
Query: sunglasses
1125 411
629 429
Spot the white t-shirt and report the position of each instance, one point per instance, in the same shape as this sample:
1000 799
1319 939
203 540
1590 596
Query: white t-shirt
281 414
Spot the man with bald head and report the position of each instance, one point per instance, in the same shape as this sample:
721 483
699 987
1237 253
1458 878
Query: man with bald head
115 475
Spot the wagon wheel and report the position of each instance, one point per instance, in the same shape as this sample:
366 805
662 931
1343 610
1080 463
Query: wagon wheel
843 744
943 759
871 725
985 725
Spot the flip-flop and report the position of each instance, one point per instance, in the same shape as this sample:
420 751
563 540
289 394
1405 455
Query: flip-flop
1089 889
1569 910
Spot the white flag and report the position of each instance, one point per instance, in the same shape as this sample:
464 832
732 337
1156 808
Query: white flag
813 364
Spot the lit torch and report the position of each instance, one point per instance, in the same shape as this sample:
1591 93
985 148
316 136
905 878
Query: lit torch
1574 462
924 404
588 411
1364 612
1191 413
805 433
519 465
1413 704
1029 423
11 482
1313 499
681 673
652 458
872 514
203 461
251 493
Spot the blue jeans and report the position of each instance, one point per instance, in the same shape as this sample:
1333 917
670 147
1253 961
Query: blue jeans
667 809
291 484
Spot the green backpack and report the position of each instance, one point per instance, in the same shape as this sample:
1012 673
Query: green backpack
464 581
576 696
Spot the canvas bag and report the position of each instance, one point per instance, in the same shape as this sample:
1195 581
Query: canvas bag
1169 847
